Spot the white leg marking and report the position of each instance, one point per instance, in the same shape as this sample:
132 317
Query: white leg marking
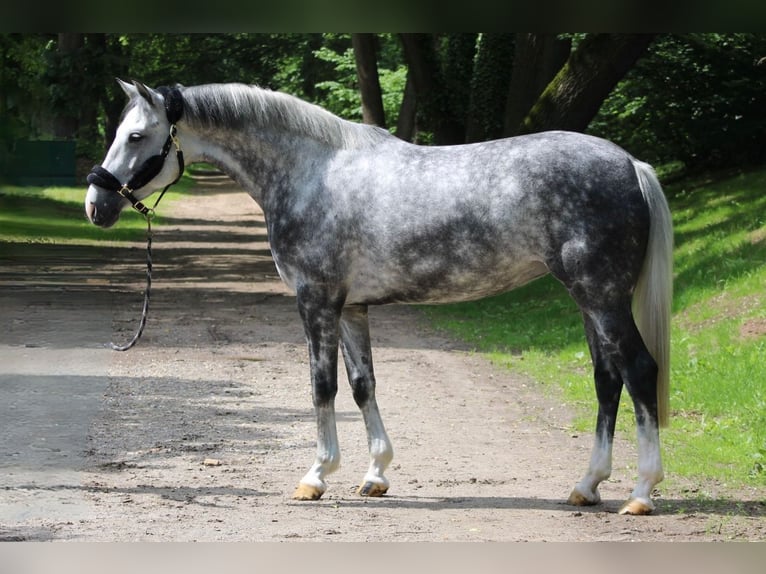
328 451
649 468
600 468
381 451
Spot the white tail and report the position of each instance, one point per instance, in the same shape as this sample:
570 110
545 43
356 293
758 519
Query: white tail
654 290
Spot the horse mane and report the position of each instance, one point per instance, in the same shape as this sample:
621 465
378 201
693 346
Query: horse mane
238 106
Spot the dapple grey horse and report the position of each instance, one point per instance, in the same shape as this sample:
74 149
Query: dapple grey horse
357 217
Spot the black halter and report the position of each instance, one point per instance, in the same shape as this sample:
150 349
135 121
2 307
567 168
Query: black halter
174 107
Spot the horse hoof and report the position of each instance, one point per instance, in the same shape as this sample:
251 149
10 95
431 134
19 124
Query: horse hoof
577 498
637 506
371 489
307 492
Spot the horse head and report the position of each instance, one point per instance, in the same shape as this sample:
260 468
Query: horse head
135 166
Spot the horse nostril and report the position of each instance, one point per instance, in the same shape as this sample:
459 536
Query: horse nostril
103 217
90 211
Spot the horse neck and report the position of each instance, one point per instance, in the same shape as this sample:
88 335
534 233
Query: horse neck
252 158
257 136
263 137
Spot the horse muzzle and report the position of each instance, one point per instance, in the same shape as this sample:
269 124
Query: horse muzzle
101 212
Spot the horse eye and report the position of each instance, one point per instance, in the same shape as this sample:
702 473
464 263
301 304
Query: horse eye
135 137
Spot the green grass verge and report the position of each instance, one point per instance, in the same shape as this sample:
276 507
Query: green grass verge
57 215
718 372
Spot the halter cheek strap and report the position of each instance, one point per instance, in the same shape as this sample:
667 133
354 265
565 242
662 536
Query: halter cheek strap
103 178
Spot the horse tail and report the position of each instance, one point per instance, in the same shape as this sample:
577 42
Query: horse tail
654 290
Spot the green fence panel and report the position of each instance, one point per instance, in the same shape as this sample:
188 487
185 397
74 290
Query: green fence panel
42 163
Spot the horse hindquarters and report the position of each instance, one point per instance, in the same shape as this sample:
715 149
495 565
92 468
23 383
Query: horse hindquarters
623 354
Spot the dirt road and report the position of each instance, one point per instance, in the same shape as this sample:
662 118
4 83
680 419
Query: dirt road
202 431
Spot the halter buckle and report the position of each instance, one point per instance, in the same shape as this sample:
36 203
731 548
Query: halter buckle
126 192
174 137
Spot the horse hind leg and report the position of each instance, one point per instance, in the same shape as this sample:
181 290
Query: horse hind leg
357 353
620 349
608 390
639 372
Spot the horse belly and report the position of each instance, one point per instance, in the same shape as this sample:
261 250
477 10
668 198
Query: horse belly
432 282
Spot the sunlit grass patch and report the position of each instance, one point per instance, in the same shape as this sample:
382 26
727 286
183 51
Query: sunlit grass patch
57 215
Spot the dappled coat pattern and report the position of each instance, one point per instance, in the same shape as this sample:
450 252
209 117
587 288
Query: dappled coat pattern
357 217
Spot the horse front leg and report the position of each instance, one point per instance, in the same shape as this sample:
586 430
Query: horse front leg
320 312
357 353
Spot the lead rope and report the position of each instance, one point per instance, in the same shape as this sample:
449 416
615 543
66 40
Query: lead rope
148 215
147 294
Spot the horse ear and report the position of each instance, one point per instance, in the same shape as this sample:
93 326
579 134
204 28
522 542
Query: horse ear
129 89
145 92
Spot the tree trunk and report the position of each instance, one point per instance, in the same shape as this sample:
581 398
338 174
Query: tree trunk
575 95
65 120
92 92
537 59
489 86
369 83
113 99
457 57
405 123
430 91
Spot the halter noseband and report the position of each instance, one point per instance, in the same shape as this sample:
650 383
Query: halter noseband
101 177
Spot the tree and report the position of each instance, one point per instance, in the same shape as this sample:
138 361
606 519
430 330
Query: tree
405 123
574 96
511 84
435 104
65 81
697 98
536 61
369 83
488 94
115 65
24 98
357 77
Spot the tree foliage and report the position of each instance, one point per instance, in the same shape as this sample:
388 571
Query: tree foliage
691 98
24 101
699 99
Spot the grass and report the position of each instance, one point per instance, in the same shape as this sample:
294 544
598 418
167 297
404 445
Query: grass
718 371
57 215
